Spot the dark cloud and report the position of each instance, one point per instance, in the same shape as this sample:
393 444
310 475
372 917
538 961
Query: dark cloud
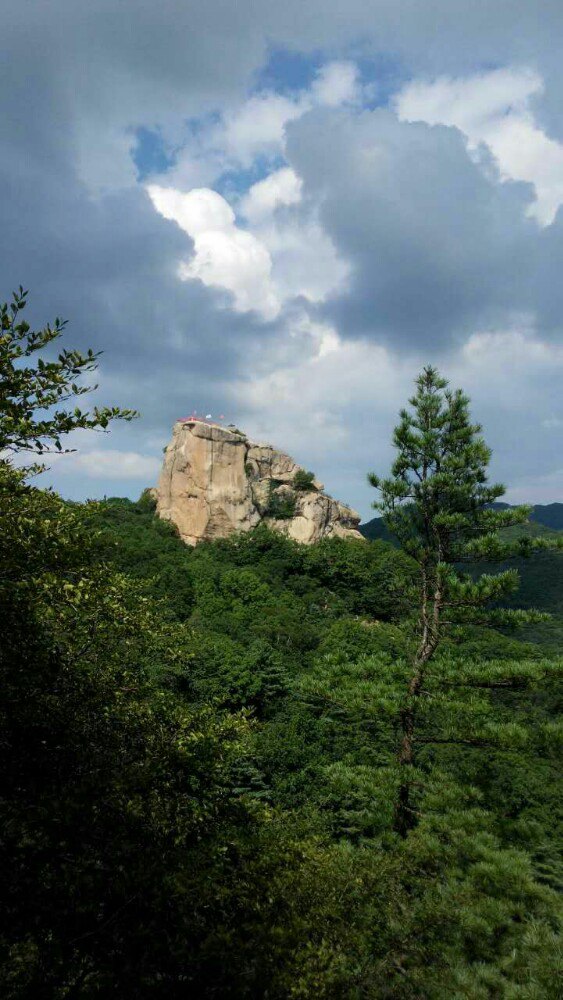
437 249
108 265
547 270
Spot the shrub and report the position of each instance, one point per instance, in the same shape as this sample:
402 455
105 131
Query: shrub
303 480
280 505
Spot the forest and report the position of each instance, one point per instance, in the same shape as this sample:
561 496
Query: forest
262 769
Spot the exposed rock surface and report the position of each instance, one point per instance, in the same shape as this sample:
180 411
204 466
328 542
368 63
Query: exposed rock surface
215 482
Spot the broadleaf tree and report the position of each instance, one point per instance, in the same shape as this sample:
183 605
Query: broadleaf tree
34 412
133 864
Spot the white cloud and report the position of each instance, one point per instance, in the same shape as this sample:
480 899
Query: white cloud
108 464
282 187
305 261
511 348
196 212
258 126
336 83
473 101
508 372
237 261
224 255
255 127
495 108
281 259
311 401
275 258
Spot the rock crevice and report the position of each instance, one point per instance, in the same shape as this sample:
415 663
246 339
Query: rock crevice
214 483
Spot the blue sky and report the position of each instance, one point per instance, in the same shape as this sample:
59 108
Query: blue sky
281 212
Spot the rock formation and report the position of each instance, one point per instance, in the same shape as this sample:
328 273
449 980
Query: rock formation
215 482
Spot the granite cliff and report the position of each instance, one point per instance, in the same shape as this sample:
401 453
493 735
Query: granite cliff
215 482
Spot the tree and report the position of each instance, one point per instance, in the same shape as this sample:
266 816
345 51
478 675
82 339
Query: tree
133 863
32 414
304 480
453 739
430 705
438 503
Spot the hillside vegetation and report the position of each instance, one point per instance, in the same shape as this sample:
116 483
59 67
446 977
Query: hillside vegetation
540 577
260 769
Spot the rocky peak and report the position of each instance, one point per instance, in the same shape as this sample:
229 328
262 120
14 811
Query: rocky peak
215 482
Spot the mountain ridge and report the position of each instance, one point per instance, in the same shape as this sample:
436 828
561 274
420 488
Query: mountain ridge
549 515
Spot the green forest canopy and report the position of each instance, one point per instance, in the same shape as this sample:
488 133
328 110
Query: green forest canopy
200 760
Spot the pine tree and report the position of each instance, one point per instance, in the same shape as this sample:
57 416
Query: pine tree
430 708
438 503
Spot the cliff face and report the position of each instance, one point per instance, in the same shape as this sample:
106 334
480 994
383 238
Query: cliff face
215 482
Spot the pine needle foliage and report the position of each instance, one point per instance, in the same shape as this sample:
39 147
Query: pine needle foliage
437 502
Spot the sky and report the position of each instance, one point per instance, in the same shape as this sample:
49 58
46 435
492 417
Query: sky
281 212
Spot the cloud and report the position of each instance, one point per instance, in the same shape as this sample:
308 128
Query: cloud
196 212
435 247
254 129
305 262
320 404
511 348
111 68
539 489
336 83
224 255
257 127
277 258
285 257
373 244
282 187
345 403
108 463
229 257
495 108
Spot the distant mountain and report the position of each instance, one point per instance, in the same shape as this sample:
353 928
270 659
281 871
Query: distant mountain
549 514
376 529
541 577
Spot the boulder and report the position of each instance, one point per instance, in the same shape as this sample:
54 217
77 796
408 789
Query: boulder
215 482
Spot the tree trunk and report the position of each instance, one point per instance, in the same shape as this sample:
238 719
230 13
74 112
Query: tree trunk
405 818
